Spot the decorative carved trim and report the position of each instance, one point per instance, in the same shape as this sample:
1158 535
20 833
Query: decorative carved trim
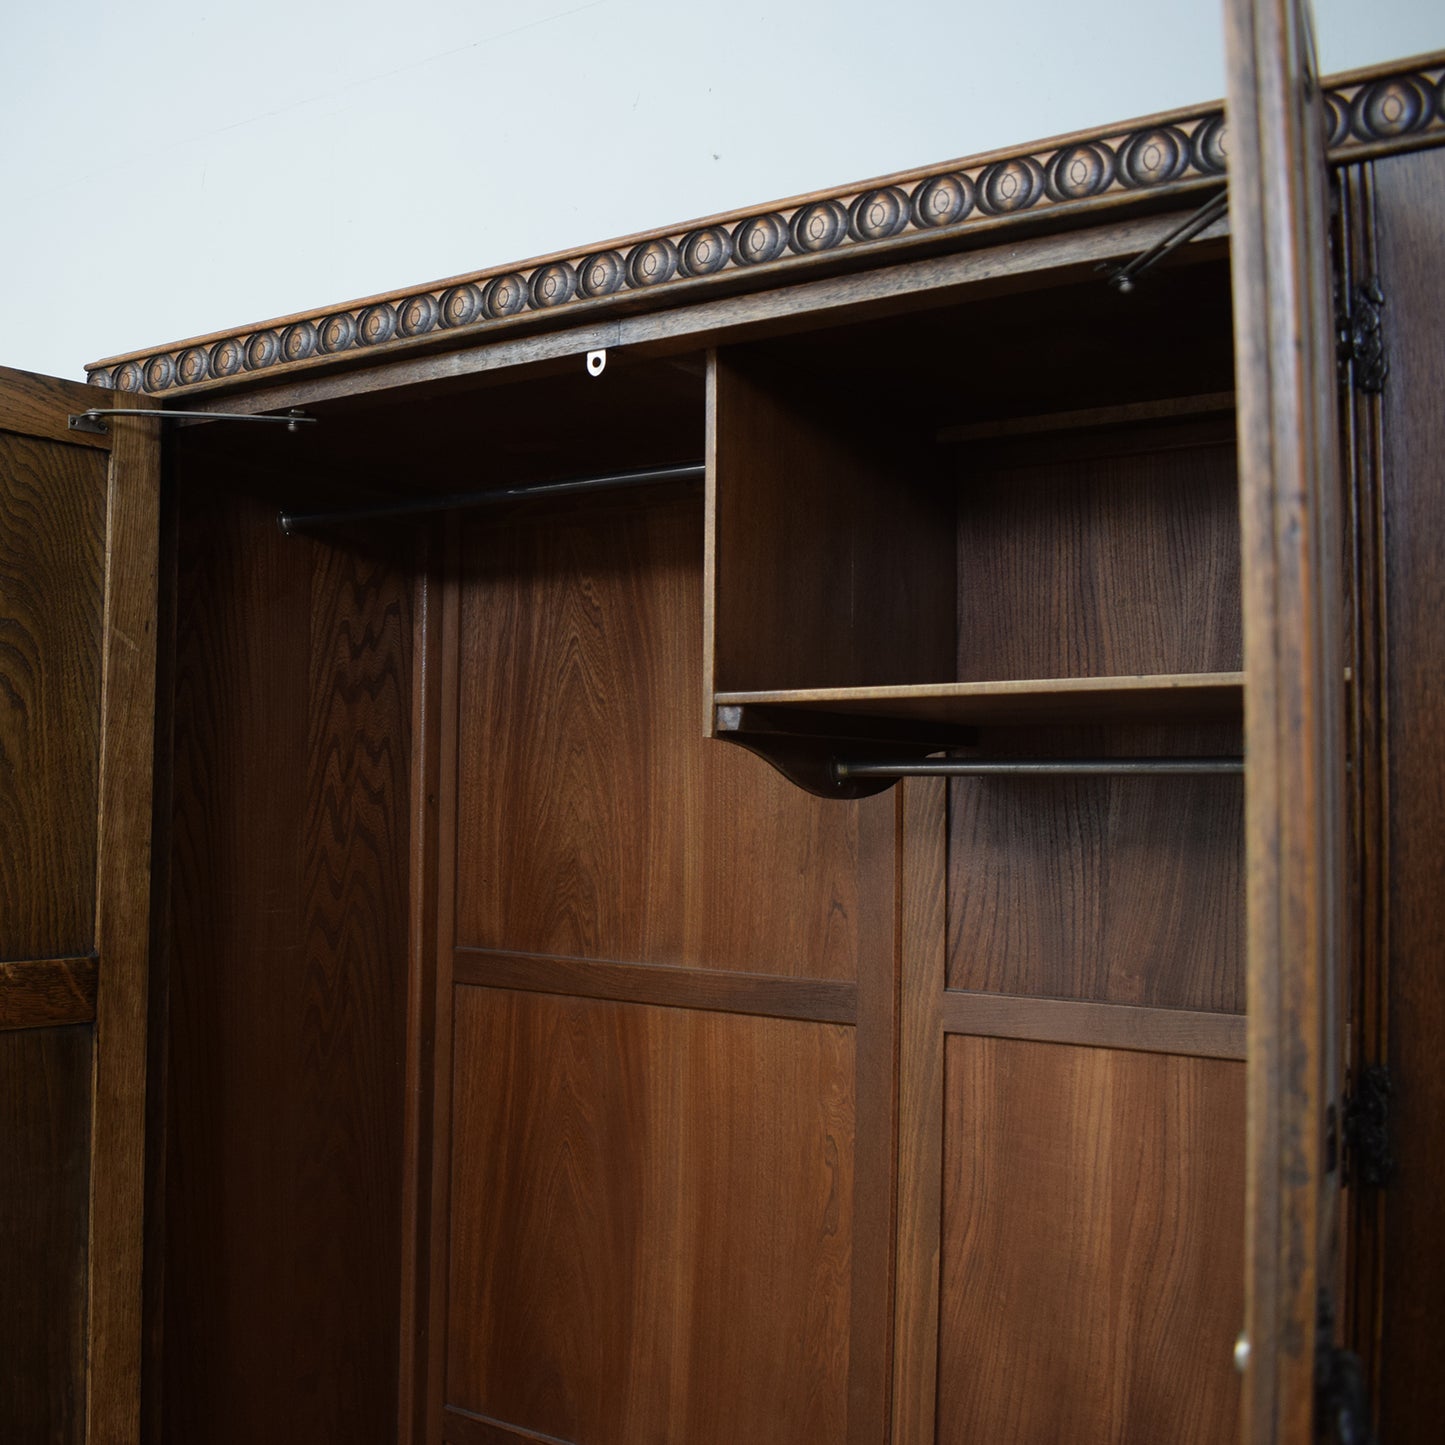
1370 113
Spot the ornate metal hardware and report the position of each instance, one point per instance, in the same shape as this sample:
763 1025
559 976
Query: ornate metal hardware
1362 342
1342 1395
1368 1160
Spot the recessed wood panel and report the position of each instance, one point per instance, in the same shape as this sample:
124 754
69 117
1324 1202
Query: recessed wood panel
287 974
1101 567
45 1083
1120 890
52 553
1092 1248
594 819
651 1222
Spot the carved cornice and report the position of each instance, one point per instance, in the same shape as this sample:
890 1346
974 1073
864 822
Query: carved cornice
1370 113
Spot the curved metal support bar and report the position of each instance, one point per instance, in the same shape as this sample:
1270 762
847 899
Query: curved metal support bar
90 419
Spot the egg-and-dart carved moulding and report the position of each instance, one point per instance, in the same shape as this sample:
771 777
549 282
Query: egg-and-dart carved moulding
1370 113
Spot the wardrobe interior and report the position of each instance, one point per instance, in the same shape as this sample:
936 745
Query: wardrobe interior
533 1062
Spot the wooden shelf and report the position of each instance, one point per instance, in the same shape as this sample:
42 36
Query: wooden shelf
1187 696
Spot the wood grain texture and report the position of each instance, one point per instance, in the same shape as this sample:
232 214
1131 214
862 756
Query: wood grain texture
288 980
1099 1025
47 991
594 820
1104 567
39 406
52 550
923 803
718 990
1410 201
45 1083
652 1222
421 1001
1185 696
1292 551
1092 1243
832 565
1121 890
122 933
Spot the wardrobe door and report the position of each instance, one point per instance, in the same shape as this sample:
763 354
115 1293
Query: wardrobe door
1294 706
77 693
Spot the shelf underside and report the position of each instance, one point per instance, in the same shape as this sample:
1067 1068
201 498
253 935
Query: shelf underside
1189 696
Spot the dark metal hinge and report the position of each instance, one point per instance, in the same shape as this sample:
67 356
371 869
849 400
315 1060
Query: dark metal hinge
1361 348
1368 1160
1342 1396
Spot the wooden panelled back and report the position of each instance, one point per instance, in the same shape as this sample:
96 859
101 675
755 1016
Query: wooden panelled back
664 1027
78 536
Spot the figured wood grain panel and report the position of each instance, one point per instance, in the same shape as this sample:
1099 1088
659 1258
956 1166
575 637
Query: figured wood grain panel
52 551
651 1222
47 991
831 564
288 981
1410 205
1105 566
1092 1260
1122 890
44 1196
594 819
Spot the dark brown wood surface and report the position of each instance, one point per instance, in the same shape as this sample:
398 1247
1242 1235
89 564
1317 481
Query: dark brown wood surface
288 979
651 1221
1292 553
52 546
1123 890
122 931
830 561
40 406
594 819
44 1205
47 992
1410 205
1103 567
1091 1269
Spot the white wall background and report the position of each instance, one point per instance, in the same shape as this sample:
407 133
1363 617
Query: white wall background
170 168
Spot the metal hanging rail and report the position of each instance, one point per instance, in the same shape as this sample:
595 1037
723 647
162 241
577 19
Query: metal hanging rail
1037 768
292 522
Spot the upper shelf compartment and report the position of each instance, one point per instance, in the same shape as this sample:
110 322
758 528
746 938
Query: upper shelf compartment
1018 511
